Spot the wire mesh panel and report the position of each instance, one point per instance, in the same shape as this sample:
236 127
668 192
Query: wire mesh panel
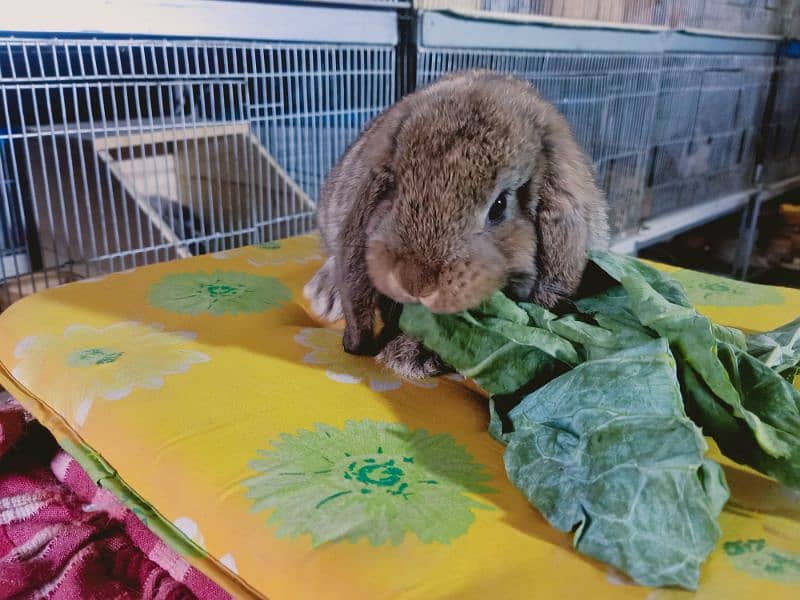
665 131
12 236
609 100
708 117
120 153
782 151
740 16
792 28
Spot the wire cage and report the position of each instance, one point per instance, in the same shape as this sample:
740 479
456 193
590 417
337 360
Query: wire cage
706 128
13 258
782 143
118 153
122 151
595 92
664 131
769 17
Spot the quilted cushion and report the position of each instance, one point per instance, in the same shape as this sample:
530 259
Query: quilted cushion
204 395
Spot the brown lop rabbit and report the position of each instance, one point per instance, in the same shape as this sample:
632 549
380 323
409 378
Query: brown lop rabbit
470 185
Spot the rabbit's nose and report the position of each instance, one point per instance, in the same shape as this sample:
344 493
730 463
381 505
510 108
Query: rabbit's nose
430 300
416 279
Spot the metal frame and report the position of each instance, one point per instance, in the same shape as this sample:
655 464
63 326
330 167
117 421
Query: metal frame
455 30
748 229
663 228
132 151
760 17
214 19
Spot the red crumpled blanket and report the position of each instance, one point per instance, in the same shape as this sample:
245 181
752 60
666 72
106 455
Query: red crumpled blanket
63 537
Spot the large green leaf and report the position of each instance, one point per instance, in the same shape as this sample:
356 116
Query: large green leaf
608 449
693 338
491 345
764 392
592 341
619 266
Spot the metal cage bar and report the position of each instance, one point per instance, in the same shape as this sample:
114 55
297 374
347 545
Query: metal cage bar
763 17
117 153
664 131
782 148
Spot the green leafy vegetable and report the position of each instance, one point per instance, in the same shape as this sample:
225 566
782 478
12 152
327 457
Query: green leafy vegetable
751 392
763 392
499 354
603 443
619 267
607 448
778 349
692 337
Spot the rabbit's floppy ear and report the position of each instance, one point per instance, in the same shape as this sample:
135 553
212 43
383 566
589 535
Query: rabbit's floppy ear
570 214
358 295
370 157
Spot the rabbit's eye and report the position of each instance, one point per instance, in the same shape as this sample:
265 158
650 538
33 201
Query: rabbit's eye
497 211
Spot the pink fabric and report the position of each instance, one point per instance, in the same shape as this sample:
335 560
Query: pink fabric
63 537
12 422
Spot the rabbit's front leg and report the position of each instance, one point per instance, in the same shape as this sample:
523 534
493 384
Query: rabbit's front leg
359 300
401 353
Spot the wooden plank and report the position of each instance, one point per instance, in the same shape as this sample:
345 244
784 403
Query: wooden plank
171 134
281 172
164 229
227 149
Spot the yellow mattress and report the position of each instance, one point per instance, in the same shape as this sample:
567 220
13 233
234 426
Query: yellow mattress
202 393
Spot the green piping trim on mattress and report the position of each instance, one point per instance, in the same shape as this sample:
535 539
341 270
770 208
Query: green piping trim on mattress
105 476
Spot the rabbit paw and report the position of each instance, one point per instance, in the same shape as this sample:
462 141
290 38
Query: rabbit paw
321 292
410 359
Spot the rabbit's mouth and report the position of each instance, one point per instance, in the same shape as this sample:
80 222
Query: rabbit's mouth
519 285
443 288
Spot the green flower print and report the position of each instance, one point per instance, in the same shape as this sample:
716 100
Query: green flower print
268 245
758 559
93 356
721 291
272 254
370 480
218 293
